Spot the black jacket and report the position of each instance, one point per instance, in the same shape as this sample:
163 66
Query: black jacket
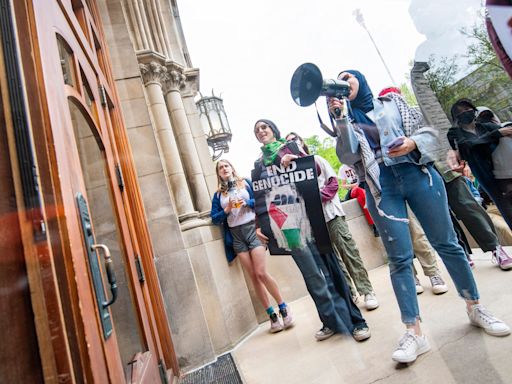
477 150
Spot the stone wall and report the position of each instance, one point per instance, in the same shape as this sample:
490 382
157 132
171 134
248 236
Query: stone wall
206 301
431 109
487 87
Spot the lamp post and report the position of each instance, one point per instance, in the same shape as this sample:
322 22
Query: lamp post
359 18
215 124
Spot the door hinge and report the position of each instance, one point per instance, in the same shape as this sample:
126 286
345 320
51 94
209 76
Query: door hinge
140 271
119 175
103 96
163 372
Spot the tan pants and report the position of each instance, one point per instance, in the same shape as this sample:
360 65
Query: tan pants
424 252
502 229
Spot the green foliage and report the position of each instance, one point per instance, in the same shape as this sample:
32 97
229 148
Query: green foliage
408 94
325 148
480 55
480 51
441 75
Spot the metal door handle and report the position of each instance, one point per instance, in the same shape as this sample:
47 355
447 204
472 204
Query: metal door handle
111 275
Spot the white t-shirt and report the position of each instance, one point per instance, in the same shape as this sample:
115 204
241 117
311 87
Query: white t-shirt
238 216
348 174
333 207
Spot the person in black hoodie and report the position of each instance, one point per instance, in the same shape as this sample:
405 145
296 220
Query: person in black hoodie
474 143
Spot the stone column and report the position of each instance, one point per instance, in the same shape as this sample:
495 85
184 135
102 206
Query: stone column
188 93
430 107
187 149
154 75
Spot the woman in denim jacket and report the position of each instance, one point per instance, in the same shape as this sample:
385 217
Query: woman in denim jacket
387 143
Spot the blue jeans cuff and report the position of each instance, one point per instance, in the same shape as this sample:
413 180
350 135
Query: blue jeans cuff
411 320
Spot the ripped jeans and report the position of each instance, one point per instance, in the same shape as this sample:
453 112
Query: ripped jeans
426 195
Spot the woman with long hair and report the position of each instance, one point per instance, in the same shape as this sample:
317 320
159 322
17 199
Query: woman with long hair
233 207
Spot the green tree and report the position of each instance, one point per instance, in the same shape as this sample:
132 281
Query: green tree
480 55
408 94
441 76
480 51
327 149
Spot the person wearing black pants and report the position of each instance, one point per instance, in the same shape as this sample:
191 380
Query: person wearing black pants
473 215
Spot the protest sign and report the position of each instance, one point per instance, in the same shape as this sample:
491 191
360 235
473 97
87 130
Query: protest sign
289 208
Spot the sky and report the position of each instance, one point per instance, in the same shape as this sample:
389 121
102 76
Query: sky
247 52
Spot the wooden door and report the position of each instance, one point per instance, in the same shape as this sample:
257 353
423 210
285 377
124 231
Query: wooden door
17 326
115 330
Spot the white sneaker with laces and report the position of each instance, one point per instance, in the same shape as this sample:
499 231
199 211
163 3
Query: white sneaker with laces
410 347
500 257
286 315
438 285
275 324
324 333
370 301
482 318
361 333
419 287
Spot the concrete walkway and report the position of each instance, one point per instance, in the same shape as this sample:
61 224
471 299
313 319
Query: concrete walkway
460 352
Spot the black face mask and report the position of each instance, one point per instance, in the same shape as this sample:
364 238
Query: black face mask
466 118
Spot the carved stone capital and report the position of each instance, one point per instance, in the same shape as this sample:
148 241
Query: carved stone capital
176 79
153 72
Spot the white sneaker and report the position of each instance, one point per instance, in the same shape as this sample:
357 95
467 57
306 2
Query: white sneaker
410 347
500 257
324 333
438 285
275 324
361 333
286 315
419 287
370 301
481 317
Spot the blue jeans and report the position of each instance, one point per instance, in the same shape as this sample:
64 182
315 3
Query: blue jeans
426 195
329 290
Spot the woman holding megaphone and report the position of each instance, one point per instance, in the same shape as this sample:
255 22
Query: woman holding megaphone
390 148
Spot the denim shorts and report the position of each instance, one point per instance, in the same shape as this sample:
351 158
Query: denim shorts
244 237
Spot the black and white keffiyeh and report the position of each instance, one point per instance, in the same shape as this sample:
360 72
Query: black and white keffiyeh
412 120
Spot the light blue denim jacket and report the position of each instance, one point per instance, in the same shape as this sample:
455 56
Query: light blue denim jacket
387 117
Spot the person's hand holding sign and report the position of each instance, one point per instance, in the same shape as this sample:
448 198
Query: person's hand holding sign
287 159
